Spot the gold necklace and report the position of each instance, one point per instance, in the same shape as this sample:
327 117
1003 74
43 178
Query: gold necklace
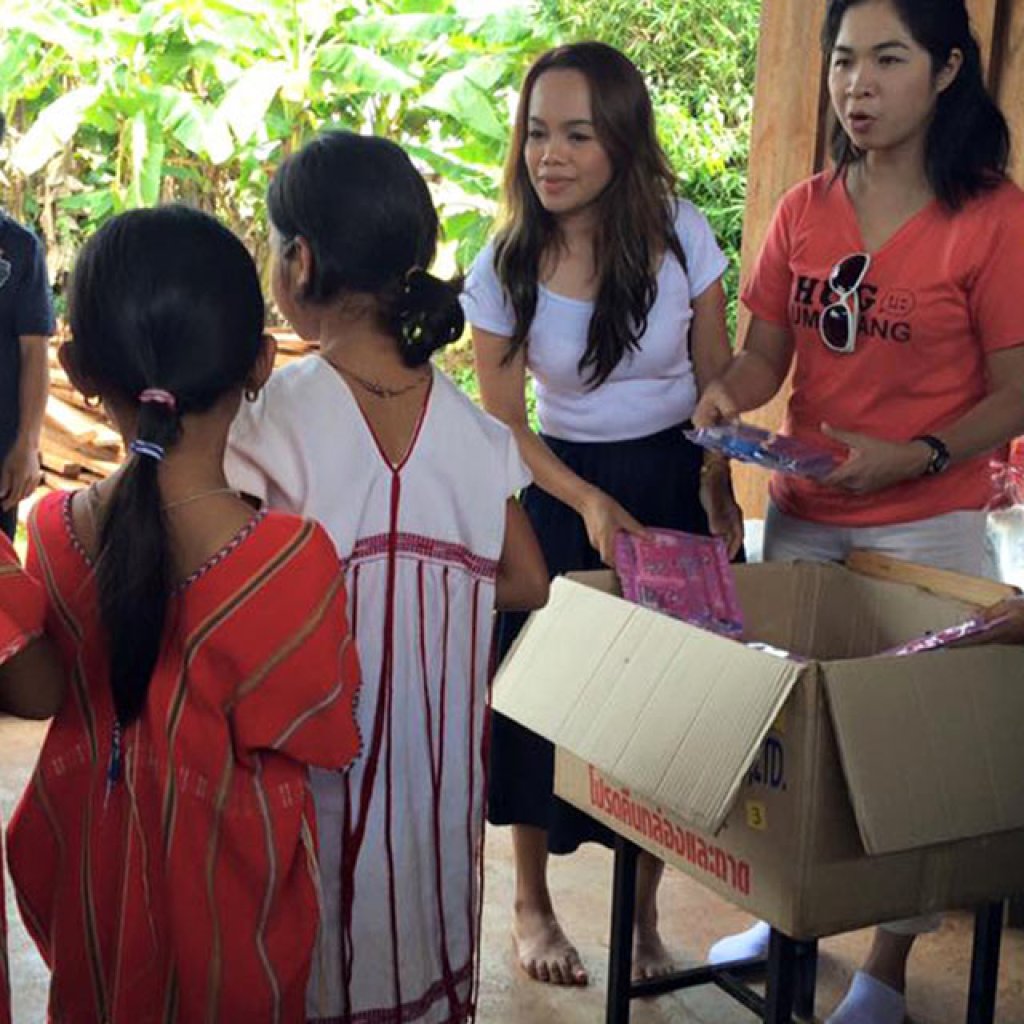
198 497
374 387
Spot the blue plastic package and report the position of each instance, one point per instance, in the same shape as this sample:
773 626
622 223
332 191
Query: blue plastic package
761 447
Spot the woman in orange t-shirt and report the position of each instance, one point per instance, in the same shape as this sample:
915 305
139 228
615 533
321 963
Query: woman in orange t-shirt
890 286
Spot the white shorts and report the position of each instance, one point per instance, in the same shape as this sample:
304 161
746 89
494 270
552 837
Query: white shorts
955 541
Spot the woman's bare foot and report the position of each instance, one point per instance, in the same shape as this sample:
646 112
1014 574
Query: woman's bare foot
543 950
650 957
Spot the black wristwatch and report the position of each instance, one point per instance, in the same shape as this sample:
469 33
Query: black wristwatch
939 459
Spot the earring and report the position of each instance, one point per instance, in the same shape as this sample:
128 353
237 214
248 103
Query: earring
251 394
92 401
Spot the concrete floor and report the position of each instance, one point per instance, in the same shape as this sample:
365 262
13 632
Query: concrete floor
692 919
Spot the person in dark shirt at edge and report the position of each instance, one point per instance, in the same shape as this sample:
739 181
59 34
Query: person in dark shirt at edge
26 323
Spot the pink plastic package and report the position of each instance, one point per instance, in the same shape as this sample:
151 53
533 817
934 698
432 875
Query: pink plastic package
682 575
973 628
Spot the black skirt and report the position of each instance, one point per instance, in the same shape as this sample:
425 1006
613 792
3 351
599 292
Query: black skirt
657 480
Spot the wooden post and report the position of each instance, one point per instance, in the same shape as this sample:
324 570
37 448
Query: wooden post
983 21
786 146
1008 78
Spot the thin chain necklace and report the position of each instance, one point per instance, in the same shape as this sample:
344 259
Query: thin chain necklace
374 387
199 497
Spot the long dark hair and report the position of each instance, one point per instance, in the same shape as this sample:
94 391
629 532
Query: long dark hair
367 216
635 221
167 299
968 142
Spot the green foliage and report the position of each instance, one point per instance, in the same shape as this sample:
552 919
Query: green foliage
121 103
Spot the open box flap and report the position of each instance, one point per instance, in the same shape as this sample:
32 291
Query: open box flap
616 685
931 744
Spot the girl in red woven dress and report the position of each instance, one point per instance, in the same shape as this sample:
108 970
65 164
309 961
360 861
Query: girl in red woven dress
31 684
164 854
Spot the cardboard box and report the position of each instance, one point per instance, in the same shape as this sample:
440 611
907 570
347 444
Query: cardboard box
820 794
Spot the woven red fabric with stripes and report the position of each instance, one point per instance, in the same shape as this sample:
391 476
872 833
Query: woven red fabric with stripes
22 605
186 891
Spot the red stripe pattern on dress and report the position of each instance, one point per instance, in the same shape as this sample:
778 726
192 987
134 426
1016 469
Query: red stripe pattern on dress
428 549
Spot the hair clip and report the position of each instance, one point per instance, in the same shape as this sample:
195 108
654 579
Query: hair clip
157 396
147 449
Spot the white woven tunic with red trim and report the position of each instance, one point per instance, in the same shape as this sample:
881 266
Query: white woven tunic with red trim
401 834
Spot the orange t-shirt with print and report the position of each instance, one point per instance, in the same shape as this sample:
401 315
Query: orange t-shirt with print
942 294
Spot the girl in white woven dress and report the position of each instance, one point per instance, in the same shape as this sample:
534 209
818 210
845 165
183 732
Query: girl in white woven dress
416 486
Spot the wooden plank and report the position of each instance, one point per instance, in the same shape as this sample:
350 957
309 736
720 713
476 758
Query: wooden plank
1009 80
67 394
59 483
84 426
61 460
972 589
63 390
56 448
983 21
787 145
87 447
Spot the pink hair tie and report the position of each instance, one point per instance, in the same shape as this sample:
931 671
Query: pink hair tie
159 397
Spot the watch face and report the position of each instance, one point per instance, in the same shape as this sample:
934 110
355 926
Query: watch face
939 458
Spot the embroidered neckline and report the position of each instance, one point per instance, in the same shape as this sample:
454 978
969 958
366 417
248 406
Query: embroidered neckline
428 400
215 559
239 538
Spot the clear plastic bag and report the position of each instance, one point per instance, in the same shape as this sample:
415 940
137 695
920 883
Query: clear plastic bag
972 629
1006 516
763 448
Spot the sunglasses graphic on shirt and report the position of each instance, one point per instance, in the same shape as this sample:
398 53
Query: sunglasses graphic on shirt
839 321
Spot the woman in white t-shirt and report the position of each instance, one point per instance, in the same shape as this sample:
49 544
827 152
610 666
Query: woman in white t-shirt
607 289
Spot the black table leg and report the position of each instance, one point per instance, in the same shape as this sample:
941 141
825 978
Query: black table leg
781 979
806 979
620 960
988 932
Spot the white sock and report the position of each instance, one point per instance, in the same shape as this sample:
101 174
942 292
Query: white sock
744 946
869 1001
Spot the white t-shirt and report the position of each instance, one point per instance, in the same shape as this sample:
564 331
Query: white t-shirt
652 388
